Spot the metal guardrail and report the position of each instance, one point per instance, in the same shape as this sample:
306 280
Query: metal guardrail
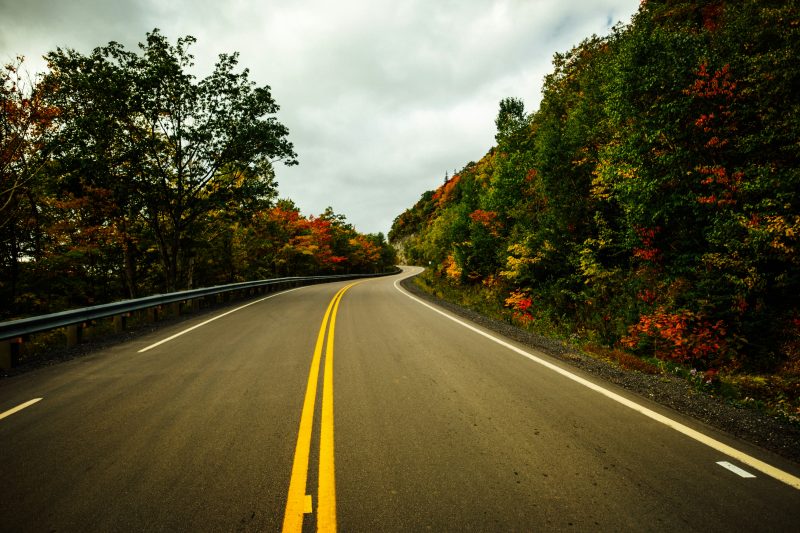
37 324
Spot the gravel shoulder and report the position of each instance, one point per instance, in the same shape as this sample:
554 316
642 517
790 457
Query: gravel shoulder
761 429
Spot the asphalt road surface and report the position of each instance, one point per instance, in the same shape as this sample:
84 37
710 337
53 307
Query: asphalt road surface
408 421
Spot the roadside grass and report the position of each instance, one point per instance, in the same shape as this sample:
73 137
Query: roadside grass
775 394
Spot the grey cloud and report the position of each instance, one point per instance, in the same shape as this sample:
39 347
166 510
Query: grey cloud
34 27
381 97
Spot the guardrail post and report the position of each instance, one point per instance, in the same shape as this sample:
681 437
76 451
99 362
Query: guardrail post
120 323
74 334
5 355
174 309
9 353
195 304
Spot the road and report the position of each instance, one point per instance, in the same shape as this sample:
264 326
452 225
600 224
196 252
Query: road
408 421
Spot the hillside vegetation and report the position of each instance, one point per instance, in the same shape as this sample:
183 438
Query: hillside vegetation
651 204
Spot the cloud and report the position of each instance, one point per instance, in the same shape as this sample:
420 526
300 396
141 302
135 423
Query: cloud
381 97
34 27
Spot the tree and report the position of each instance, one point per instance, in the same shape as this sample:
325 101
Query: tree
98 147
26 126
511 118
189 146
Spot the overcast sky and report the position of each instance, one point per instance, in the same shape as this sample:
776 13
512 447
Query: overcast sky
381 97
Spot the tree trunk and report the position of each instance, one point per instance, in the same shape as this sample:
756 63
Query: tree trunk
190 274
14 269
129 270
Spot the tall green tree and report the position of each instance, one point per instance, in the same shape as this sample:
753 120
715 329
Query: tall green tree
189 146
99 148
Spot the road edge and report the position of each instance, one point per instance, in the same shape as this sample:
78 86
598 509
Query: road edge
755 428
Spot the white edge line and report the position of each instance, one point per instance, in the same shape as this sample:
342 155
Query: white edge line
735 469
187 330
20 407
740 456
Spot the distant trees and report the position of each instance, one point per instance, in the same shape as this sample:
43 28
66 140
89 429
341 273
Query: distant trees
653 200
123 174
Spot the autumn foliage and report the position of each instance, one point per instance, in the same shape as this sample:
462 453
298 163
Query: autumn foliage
681 336
521 304
652 202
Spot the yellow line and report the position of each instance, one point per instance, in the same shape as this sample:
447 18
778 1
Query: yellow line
326 491
296 500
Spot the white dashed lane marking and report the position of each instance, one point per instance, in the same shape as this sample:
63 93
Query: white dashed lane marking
20 407
735 469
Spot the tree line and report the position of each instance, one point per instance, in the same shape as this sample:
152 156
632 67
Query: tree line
652 202
122 174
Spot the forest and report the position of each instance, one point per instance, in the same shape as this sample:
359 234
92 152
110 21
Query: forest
123 175
649 206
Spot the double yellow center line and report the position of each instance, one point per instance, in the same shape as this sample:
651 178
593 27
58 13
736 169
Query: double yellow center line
298 502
